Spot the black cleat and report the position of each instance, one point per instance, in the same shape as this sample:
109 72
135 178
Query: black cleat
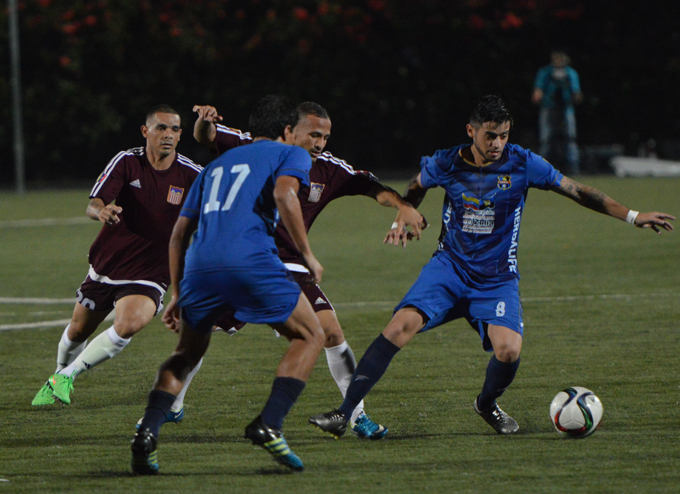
501 422
333 422
144 453
272 440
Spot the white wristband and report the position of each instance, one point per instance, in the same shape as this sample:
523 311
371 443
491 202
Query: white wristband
632 216
394 225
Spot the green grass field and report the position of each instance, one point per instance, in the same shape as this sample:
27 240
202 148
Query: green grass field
601 309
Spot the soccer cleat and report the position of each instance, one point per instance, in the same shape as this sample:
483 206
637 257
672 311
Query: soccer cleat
333 422
44 396
174 417
365 427
501 422
62 386
272 440
144 453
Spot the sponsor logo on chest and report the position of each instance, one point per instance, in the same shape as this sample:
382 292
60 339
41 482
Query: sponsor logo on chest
315 191
479 215
175 195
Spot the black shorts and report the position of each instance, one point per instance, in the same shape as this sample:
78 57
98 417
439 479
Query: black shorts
102 297
227 322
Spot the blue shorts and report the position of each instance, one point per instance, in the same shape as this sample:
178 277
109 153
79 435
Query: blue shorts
444 292
260 296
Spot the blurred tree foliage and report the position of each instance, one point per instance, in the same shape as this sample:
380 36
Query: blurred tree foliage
397 77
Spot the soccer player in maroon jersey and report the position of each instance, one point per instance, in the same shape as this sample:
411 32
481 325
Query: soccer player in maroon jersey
129 258
330 178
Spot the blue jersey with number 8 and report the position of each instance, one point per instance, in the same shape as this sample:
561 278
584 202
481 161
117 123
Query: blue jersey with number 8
233 201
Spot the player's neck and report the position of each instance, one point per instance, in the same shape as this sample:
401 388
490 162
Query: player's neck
158 161
473 157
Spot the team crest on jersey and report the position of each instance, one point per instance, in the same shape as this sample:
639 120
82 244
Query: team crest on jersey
504 182
480 214
175 195
315 191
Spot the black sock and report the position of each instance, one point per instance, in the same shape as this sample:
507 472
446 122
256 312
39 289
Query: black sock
499 375
370 369
156 410
285 392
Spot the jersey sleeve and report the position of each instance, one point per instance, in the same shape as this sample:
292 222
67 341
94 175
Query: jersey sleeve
540 173
192 204
540 80
227 138
111 180
434 168
574 81
296 163
346 180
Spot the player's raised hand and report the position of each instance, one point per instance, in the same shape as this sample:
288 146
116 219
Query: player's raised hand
654 221
207 113
171 315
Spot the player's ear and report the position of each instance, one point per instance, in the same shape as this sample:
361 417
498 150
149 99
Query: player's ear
144 130
470 130
288 134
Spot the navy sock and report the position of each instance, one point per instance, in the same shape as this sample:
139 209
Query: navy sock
157 408
285 392
499 375
370 369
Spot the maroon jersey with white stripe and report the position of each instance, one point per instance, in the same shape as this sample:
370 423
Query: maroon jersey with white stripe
136 248
329 178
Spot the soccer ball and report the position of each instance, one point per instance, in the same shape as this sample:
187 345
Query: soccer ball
576 412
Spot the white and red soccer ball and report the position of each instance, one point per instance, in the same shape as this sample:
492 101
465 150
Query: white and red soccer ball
576 412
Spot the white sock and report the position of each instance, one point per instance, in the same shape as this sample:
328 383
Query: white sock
68 350
179 401
342 364
104 347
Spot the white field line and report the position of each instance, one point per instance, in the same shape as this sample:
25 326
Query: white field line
346 305
79 220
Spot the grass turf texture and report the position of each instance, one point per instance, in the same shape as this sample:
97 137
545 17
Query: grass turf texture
601 308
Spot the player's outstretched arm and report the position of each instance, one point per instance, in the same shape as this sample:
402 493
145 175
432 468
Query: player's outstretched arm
204 127
106 213
593 199
413 196
179 243
407 215
288 204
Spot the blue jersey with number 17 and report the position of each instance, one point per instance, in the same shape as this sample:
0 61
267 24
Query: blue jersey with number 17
483 206
233 201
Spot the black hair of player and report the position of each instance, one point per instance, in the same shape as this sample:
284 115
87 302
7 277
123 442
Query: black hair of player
271 115
310 108
490 108
160 109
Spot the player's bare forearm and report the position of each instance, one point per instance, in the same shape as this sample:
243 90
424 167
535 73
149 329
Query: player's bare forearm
106 213
288 204
593 199
415 192
177 248
204 128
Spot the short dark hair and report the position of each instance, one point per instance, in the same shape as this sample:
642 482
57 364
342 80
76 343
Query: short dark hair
311 108
271 115
160 109
490 108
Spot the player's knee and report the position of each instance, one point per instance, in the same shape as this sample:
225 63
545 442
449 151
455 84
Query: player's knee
333 336
507 353
127 327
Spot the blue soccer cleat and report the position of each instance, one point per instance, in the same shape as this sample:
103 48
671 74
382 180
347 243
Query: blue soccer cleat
366 428
272 440
174 417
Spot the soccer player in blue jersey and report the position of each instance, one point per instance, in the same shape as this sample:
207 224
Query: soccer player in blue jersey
473 274
236 202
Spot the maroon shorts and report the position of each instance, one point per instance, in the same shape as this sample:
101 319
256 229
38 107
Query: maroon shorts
102 297
227 322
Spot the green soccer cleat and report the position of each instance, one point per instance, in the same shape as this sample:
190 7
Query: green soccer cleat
144 453
272 440
44 396
62 387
